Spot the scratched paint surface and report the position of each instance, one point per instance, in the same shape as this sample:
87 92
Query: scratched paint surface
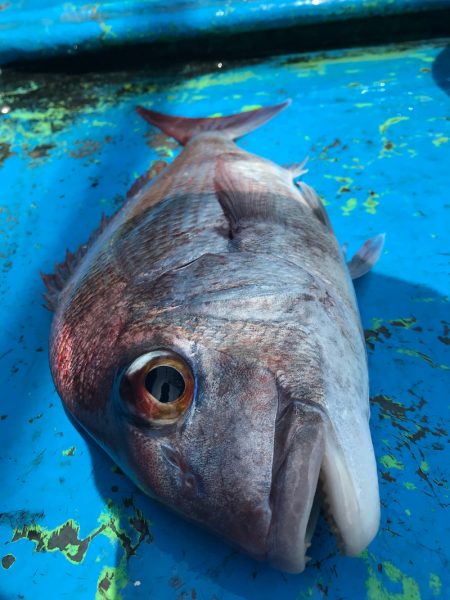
34 29
376 126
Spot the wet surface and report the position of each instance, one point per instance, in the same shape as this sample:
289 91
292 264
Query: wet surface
376 125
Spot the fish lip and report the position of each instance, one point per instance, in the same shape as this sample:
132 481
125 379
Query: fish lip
294 496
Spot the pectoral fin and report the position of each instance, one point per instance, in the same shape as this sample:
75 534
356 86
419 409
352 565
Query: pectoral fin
366 257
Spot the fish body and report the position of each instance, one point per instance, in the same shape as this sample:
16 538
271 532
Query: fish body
209 339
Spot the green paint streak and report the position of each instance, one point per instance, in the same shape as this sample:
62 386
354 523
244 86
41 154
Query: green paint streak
349 206
377 591
408 512
389 122
406 322
207 81
320 64
424 466
441 140
376 322
97 123
390 462
435 584
249 107
69 452
409 486
427 359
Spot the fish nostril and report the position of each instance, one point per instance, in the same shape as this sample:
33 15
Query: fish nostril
189 482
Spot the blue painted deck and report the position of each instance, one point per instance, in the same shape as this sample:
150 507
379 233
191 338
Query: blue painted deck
376 126
33 29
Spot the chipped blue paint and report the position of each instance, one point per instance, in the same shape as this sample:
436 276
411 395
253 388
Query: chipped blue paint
30 28
375 125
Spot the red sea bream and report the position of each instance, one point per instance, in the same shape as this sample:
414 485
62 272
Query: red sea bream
208 337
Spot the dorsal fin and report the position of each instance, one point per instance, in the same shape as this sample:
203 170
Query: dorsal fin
55 282
243 198
234 126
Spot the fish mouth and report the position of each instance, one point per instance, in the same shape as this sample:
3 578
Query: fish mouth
310 474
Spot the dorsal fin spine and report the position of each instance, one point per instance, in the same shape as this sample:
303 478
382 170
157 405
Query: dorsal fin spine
56 282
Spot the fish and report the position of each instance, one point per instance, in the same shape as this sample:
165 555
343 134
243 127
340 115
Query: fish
207 336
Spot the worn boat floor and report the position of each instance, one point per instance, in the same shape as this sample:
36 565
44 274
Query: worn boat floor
376 126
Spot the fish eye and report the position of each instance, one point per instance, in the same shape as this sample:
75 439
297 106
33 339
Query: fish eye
158 386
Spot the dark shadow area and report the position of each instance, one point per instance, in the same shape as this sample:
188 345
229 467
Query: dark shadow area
256 44
411 316
441 70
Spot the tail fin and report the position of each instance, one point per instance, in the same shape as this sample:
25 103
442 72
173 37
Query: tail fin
234 126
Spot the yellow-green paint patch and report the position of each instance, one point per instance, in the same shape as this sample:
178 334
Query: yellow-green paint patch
349 206
409 485
371 203
363 104
69 451
98 123
207 81
249 107
408 512
319 65
441 140
107 30
111 581
376 590
435 584
345 181
389 122
376 322
65 539
390 462
424 466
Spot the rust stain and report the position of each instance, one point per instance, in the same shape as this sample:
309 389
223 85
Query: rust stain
35 418
376 335
445 338
41 151
85 148
175 582
5 152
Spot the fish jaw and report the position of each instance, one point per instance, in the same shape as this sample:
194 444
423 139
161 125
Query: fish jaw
350 490
310 472
299 449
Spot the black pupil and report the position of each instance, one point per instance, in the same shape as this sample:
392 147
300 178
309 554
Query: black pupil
165 384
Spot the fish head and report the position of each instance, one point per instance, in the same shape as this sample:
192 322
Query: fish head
213 393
